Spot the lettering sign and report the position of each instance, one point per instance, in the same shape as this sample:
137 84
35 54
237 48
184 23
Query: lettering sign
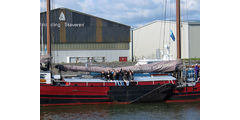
66 25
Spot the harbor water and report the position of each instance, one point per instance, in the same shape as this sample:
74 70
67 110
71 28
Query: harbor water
141 111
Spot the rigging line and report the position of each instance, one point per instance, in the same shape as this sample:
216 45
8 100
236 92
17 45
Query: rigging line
53 17
159 45
183 9
50 4
167 27
55 45
183 16
42 39
171 27
53 28
188 39
54 4
164 23
174 30
51 32
161 28
181 13
170 13
170 23
186 11
187 8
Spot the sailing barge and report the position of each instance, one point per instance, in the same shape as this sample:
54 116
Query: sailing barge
96 91
148 87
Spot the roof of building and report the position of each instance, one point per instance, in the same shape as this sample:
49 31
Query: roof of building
87 15
169 21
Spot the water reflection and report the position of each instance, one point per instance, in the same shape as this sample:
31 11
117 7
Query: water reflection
170 111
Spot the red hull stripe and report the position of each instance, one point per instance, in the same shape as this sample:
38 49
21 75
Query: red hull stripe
76 96
85 103
173 101
188 94
184 93
69 98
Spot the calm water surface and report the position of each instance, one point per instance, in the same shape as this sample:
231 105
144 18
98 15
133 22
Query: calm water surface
143 111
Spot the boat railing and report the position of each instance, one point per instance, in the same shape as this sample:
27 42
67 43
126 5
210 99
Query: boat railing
60 83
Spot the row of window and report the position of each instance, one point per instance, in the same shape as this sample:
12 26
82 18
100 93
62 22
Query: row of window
91 46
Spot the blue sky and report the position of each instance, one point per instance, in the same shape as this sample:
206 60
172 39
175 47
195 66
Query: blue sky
131 12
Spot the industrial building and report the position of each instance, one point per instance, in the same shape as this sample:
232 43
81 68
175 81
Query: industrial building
79 37
157 40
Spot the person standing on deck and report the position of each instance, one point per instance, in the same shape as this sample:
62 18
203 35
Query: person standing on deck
125 75
196 70
108 75
111 75
117 75
121 75
114 75
131 76
103 75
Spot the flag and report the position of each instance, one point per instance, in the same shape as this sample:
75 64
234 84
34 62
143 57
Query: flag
45 49
172 35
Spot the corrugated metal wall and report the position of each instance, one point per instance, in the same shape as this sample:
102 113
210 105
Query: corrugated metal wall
194 36
150 41
95 30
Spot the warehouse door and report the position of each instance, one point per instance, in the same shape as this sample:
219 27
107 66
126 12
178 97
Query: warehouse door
122 59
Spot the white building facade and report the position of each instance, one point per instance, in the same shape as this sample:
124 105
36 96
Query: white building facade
153 41
73 56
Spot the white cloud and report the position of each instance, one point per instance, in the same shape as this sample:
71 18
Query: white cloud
131 12
58 6
193 4
157 1
42 5
86 5
139 3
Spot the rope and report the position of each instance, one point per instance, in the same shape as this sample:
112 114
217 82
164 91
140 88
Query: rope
148 93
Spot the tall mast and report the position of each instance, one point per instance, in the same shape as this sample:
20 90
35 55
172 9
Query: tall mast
48 29
178 19
49 35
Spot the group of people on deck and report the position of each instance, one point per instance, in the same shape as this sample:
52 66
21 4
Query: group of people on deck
117 75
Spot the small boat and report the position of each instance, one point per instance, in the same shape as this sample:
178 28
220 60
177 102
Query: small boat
188 92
